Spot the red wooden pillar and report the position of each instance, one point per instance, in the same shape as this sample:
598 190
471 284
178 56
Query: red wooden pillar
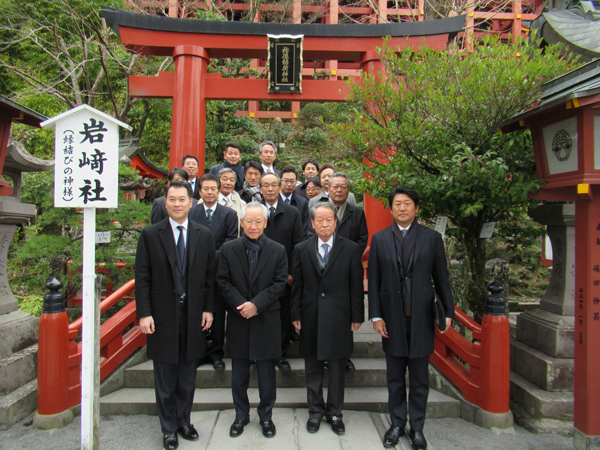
378 217
587 316
188 126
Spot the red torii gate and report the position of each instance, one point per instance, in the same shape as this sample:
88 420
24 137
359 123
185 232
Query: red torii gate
193 42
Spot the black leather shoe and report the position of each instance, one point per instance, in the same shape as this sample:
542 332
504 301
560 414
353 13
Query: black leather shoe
417 438
337 425
313 424
268 428
237 427
350 366
170 441
392 435
218 364
189 433
283 365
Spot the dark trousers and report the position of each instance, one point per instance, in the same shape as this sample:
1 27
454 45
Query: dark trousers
418 374
286 321
215 352
174 384
240 378
335 390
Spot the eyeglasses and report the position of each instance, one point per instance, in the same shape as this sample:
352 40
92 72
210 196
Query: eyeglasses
258 223
338 187
289 181
314 189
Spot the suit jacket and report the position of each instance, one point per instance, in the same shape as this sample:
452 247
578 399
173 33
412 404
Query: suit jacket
224 224
327 301
301 204
158 280
258 338
353 226
429 264
159 210
285 227
196 194
301 190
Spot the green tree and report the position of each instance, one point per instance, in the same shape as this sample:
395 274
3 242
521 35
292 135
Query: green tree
430 121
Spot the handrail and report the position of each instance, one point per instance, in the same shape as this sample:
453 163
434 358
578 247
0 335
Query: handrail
117 343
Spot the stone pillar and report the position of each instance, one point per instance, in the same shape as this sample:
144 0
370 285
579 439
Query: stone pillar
542 354
11 213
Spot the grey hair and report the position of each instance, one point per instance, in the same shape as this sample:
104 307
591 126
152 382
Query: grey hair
328 205
262 144
340 175
270 173
225 170
254 205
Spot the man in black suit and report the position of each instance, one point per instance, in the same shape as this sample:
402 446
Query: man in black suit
285 227
267 152
191 165
251 190
251 276
289 177
310 169
403 260
159 211
327 305
175 297
352 223
231 159
223 225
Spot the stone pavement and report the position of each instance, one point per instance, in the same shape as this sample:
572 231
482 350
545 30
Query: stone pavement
363 432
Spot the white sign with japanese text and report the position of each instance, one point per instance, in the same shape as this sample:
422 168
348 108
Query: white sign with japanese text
86 171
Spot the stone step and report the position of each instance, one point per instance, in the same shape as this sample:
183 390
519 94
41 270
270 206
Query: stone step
370 372
19 330
18 404
538 403
367 344
18 369
131 401
546 372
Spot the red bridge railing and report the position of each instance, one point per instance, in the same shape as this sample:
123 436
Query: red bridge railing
59 352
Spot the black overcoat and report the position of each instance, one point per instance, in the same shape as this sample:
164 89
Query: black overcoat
157 282
327 302
258 338
429 269
285 227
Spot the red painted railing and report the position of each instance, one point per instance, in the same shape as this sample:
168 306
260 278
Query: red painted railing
116 345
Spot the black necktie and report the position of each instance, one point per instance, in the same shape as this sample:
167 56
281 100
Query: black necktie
209 213
271 213
181 245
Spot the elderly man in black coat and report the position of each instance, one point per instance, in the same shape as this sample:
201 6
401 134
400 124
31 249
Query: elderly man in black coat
407 261
327 305
251 276
175 298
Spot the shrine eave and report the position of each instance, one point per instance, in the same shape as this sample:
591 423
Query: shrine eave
117 18
19 113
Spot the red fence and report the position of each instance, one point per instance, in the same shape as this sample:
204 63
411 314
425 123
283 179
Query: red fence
59 374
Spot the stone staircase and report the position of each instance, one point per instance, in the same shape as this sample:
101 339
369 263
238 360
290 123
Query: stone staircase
18 367
365 388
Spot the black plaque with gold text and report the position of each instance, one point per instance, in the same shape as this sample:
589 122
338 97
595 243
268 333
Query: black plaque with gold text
285 63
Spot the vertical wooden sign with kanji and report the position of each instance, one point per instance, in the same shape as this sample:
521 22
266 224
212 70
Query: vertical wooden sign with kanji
86 175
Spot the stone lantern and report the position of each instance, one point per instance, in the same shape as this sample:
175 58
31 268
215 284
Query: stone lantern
565 127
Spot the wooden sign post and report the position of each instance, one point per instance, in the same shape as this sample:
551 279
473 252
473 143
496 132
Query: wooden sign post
86 175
